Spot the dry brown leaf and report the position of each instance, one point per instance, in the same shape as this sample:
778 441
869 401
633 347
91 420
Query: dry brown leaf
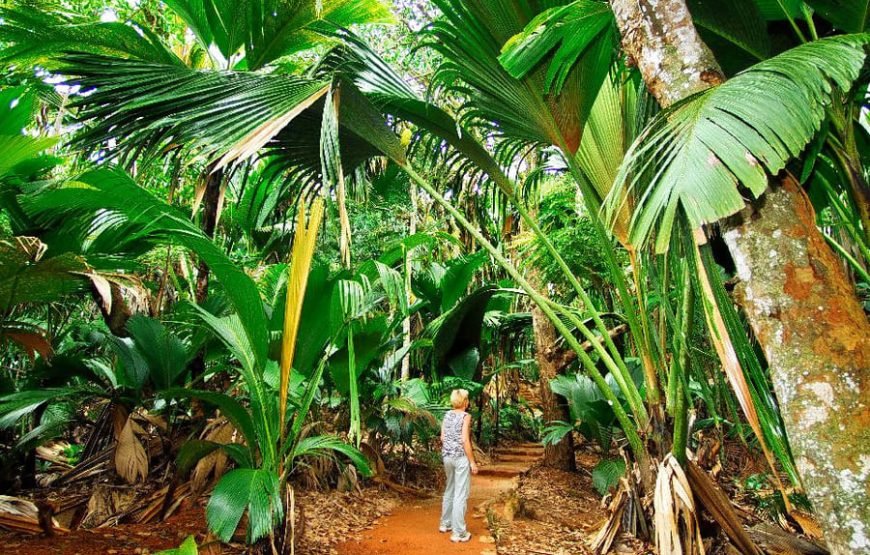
131 461
807 523
676 519
104 290
719 507
212 466
120 415
106 503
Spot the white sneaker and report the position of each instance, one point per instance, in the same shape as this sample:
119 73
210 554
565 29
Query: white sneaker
464 538
443 529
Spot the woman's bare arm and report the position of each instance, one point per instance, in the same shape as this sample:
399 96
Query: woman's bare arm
466 442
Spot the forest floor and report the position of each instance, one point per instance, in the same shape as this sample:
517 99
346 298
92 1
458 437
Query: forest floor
516 507
413 526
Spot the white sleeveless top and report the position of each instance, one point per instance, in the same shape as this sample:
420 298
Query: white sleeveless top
451 429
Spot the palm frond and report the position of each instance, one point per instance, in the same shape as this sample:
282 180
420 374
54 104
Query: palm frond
300 266
272 36
443 140
148 107
244 489
326 445
26 277
699 153
34 37
580 31
115 193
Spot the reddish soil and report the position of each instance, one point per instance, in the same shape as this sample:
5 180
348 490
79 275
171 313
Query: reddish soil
413 527
128 539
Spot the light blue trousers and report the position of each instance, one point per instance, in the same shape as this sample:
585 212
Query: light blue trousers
456 494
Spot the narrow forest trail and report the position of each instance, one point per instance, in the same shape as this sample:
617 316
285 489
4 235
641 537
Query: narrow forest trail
412 527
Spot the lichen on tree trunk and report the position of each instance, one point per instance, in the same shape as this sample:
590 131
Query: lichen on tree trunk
660 37
793 290
816 339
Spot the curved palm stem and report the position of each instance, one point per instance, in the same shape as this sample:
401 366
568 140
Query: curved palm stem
623 380
634 318
629 428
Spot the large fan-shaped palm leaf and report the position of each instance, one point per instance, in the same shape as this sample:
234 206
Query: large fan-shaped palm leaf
698 154
34 37
471 37
266 30
146 107
117 197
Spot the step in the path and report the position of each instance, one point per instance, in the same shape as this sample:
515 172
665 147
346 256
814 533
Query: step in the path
517 458
519 451
503 470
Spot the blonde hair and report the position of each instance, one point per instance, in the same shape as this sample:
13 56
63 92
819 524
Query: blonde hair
458 398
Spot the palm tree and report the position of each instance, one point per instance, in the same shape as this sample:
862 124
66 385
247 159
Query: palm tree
544 107
808 326
231 40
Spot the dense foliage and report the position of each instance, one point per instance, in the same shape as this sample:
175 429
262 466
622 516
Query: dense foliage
280 232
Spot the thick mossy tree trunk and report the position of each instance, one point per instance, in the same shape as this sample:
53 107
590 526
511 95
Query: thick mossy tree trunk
816 338
793 290
560 455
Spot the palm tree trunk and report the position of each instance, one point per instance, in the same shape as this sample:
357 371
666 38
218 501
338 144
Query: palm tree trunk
210 204
406 323
210 209
560 455
793 291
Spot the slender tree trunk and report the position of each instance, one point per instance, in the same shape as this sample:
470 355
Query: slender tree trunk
560 455
793 290
406 323
210 208
210 204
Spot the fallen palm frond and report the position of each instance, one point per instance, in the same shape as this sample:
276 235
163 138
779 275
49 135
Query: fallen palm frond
21 515
131 460
608 532
718 505
676 515
161 504
776 541
626 515
212 466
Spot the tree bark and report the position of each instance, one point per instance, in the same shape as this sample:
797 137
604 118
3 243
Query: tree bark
795 294
816 338
406 323
560 455
210 209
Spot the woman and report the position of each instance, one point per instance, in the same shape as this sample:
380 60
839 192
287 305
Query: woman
458 461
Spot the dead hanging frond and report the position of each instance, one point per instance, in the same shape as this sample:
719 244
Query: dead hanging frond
131 460
626 515
211 467
676 516
300 265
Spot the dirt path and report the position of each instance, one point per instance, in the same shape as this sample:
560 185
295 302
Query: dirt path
412 528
